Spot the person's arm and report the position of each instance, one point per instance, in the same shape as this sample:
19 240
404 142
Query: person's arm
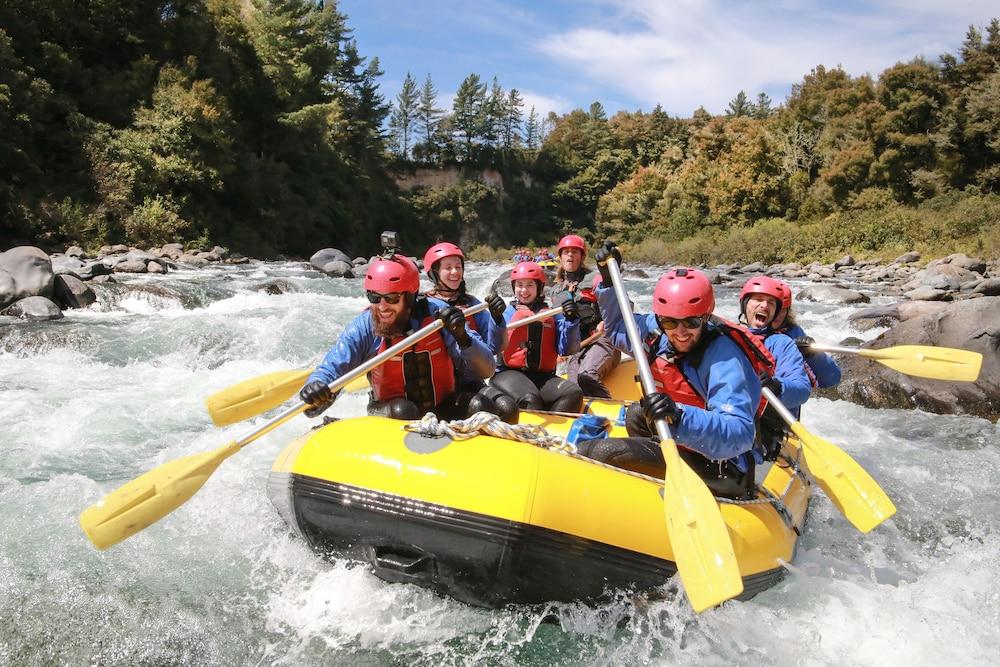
355 345
790 371
824 367
614 325
725 428
568 341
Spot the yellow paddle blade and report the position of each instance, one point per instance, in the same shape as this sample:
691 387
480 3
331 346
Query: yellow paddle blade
254 396
703 549
858 497
150 497
926 361
358 384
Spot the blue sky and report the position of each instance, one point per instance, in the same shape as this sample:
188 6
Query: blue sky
633 54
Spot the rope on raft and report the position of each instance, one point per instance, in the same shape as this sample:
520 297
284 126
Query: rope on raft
490 424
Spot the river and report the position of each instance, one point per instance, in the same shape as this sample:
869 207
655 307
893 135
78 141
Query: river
96 399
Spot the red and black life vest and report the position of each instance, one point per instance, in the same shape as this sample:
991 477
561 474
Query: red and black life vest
533 347
425 373
670 379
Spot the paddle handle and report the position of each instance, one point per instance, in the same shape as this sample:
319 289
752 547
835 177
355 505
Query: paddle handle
638 347
820 347
358 371
537 317
778 406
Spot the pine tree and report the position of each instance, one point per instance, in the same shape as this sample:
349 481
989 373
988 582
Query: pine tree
495 116
532 130
429 116
468 117
739 106
597 111
404 115
762 109
512 124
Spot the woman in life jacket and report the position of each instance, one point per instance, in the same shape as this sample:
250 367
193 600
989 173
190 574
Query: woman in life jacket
823 366
597 356
527 366
444 264
708 387
422 379
762 299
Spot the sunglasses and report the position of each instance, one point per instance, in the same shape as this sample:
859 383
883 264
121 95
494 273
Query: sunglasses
669 323
391 299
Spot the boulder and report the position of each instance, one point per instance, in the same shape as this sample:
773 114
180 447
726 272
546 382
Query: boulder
832 294
963 261
907 258
338 269
927 293
755 267
67 264
34 308
155 267
359 261
970 325
843 262
71 292
131 266
946 276
75 251
322 258
988 287
24 271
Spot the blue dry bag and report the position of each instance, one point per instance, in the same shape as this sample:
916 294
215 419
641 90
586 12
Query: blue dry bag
588 427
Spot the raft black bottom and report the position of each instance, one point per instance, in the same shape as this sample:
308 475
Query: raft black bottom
474 558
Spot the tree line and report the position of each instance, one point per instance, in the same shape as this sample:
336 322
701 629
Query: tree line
257 124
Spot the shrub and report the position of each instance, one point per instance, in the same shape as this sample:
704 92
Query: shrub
154 222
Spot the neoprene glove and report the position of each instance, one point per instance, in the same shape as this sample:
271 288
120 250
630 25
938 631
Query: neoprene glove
804 343
605 252
496 305
570 310
659 406
317 394
773 384
454 322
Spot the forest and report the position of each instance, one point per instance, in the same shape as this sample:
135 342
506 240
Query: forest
259 126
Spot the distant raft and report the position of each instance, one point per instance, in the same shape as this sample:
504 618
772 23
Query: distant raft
493 521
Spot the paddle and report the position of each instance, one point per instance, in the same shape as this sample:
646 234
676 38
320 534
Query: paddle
699 538
148 498
858 497
265 392
260 394
925 361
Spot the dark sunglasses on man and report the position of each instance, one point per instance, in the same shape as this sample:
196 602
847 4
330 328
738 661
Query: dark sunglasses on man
392 298
669 323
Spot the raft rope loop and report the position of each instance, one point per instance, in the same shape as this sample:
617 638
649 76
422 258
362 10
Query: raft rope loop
490 424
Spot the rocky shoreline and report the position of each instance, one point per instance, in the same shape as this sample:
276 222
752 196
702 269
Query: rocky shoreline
949 302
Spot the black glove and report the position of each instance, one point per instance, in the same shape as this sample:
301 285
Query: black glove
659 406
606 251
570 310
496 305
773 384
317 394
804 343
454 322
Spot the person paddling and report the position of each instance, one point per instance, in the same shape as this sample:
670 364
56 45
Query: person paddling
707 373
597 356
527 365
823 366
420 380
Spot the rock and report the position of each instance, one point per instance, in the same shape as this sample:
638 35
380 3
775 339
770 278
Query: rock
907 258
927 293
67 264
794 273
359 261
988 287
634 273
103 279
712 276
155 267
755 267
832 294
322 258
193 260
131 266
220 252
845 261
946 276
75 251
277 286
970 325
24 271
237 260
172 250
34 308
338 269
963 261
71 292
825 272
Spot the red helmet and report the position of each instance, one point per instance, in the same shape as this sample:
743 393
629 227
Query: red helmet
572 241
768 287
683 292
786 300
398 274
528 271
438 252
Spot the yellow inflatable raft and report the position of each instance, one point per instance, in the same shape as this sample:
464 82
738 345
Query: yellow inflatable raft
492 521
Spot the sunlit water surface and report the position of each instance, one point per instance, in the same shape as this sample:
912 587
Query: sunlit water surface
94 400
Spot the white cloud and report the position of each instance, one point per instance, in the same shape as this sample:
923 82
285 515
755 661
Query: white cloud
543 103
686 53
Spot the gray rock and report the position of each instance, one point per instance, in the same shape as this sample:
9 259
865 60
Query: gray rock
67 264
131 266
963 261
172 250
946 276
927 293
755 267
825 272
322 258
712 276
193 260
24 271
34 308
845 261
71 292
222 253
832 294
359 261
338 269
155 267
103 279
794 273
907 258
75 251
988 287
972 324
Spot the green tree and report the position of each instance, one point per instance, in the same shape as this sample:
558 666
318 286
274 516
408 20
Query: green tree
514 108
532 131
428 116
739 106
761 110
404 115
469 114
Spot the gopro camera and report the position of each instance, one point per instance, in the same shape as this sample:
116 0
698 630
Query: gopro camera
390 240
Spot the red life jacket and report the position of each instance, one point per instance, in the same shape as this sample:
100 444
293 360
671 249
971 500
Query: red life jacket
670 379
533 347
425 373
